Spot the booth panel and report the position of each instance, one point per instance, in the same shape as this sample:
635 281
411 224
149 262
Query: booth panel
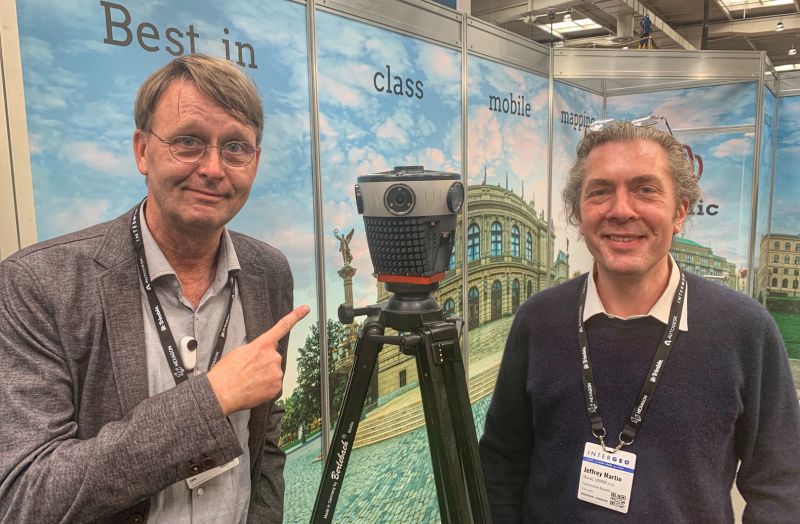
507 196
385 100
781 248
573 110
765 178
715 238
725 105
717 124
82 64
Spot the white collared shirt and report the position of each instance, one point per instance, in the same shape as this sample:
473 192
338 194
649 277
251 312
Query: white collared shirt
659 311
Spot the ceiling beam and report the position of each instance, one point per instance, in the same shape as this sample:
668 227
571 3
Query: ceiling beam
659 23
761 26
516 10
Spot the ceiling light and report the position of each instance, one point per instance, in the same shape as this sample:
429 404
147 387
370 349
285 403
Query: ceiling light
779 26
568 17
792 51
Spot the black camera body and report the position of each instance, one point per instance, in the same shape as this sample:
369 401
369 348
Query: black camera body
410 221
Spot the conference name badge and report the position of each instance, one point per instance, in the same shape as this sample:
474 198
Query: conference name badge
205 476
606 479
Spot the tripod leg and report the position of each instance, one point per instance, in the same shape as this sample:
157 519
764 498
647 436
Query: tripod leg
366 355
464 427
455 506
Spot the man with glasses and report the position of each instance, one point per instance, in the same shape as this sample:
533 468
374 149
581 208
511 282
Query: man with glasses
634 392
141 357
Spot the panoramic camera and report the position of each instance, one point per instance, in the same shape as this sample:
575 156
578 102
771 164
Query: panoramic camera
410 221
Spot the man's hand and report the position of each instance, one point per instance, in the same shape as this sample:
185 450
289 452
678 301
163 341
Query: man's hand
251 374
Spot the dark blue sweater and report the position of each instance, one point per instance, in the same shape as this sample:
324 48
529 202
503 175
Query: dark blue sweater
725 395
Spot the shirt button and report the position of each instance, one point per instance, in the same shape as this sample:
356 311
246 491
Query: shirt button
200 492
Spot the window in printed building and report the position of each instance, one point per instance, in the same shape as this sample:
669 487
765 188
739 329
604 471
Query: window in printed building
473 242
529 247
449 308
497 300
497 239
474 307
514 241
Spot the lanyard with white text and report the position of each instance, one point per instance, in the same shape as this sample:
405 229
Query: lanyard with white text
636 417
164 333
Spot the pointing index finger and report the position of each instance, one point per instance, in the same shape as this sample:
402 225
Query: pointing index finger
285 325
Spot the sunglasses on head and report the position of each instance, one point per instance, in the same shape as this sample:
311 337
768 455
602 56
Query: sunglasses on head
648 121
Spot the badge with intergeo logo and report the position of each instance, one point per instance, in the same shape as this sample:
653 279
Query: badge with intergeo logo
606 478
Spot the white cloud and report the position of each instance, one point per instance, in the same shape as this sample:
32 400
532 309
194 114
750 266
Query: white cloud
339 92
734 147
90 154
80 213
440 63
391 131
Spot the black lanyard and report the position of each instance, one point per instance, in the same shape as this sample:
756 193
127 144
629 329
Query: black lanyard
164 333
636 417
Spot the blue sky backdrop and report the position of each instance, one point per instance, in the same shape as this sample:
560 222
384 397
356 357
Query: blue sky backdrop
364 130
504 142
80 93
578 102
727 156
786 189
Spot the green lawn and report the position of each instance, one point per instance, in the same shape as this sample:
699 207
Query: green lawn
789 324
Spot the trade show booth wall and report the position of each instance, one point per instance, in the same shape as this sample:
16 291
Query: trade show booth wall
358 87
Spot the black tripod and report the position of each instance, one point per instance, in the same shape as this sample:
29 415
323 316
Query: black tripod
433 342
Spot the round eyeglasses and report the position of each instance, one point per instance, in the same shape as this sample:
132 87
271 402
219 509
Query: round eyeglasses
190 150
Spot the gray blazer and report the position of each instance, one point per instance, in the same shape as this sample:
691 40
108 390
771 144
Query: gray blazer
80 440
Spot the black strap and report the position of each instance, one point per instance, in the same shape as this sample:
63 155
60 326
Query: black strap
636 418
159 318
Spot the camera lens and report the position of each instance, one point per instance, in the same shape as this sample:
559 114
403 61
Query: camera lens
399 199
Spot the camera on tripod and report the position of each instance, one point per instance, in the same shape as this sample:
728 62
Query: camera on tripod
410 221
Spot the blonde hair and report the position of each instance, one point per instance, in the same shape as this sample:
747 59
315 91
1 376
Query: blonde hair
219 80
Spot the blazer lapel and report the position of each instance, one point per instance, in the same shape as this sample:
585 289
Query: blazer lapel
121 300
254 293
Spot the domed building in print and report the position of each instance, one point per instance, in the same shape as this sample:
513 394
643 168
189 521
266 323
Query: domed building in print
506 250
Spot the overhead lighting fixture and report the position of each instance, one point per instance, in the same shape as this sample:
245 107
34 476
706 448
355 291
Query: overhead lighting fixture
792 51
779 26
584 24
741 5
